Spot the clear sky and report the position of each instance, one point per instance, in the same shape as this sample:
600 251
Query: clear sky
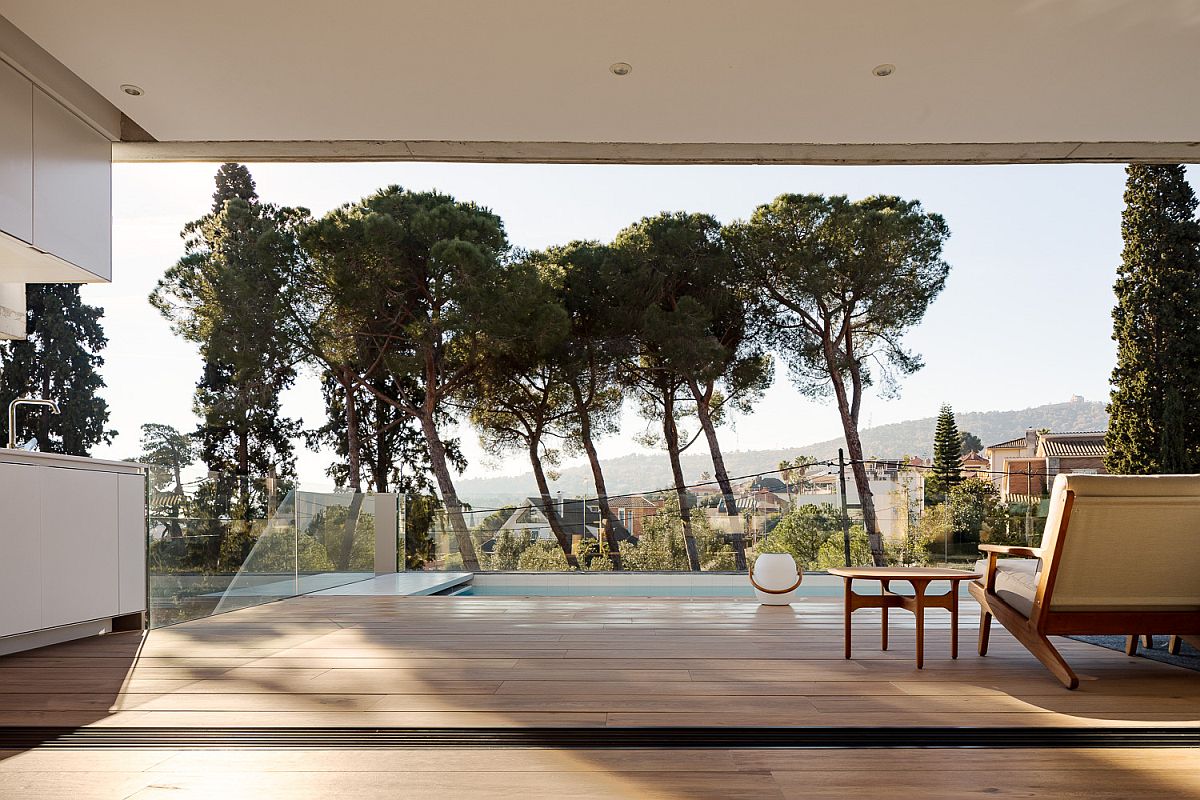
1024 319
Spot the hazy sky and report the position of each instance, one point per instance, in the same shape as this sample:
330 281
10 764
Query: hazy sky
1024 318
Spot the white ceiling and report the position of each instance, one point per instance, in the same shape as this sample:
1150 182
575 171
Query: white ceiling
708 71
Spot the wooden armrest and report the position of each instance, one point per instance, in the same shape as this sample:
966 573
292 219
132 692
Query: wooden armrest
1011 550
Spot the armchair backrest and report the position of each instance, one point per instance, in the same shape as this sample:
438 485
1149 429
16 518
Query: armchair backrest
1128 542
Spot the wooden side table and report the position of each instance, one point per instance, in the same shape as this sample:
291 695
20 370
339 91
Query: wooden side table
920 578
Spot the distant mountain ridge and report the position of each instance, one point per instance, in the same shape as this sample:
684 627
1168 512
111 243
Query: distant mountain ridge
643 472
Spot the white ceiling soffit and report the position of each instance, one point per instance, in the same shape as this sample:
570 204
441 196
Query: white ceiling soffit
711 80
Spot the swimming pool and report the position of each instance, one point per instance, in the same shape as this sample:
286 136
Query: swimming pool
645 590
632 584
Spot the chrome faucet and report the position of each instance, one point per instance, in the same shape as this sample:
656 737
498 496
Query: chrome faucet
12 415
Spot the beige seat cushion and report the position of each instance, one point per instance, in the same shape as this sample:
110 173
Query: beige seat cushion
1016 581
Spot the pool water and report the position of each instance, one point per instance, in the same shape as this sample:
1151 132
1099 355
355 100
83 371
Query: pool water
698 586
606 591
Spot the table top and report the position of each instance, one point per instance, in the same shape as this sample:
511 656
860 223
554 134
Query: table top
904 573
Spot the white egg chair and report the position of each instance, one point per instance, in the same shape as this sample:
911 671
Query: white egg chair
775 578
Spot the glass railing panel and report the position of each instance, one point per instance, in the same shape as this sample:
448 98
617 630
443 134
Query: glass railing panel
220 543
802 516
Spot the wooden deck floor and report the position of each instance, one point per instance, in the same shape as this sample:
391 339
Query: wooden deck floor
431 661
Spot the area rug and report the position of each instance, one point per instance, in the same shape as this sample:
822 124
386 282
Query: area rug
1188 658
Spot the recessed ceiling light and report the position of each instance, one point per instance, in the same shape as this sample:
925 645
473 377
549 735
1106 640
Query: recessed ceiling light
883 70
620 68
131 90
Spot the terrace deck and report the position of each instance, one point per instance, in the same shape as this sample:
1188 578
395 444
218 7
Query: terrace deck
579 662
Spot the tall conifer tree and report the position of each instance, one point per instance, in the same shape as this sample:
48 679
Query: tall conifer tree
947 447
1153 425
59 361
228 294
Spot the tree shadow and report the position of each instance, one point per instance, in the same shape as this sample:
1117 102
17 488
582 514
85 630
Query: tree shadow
588 662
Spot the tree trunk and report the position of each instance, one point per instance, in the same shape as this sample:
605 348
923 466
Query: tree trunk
42 432
848 410
589 447
671 434
354 459
441 472
353 443
243 456
704 412
383 455
346 546
863 485
548 509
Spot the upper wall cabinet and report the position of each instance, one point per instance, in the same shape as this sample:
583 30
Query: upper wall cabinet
55 189
72 188
16 154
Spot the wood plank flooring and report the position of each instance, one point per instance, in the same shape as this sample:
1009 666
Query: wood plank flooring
433 661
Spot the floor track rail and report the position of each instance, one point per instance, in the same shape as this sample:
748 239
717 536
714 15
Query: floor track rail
24 738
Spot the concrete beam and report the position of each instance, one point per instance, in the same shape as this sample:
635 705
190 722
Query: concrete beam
53 77
663 153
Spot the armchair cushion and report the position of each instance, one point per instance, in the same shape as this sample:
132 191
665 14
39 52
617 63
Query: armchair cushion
1016 581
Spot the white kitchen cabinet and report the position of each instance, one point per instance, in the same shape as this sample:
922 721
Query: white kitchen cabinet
72 188
16 154
80 579
20 549
131 543
72 547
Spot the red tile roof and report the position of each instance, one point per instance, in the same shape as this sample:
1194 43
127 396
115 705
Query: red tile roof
1087 444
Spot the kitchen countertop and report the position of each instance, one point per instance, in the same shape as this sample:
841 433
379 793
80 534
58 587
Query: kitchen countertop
34 458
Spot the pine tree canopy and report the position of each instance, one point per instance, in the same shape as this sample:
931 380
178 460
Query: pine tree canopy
1153 427
233 183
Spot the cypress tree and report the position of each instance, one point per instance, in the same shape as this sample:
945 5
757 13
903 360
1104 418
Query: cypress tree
229 294
59 360
947 445
1152 425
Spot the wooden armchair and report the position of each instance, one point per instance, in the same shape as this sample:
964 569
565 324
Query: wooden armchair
1119 556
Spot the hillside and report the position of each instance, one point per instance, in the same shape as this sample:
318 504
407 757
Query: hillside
642 472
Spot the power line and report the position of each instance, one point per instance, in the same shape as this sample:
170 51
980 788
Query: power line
895 465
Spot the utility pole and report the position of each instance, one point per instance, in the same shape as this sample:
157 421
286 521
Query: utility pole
1029 505
845 513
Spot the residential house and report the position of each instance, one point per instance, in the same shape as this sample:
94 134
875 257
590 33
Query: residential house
580 518
632 511
1079 453
974 465
998 455
1026 466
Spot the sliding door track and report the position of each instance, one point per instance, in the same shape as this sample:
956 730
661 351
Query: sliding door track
22 738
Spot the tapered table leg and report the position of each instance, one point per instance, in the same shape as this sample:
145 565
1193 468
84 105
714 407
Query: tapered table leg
919 590
884 631
849 609
953 619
